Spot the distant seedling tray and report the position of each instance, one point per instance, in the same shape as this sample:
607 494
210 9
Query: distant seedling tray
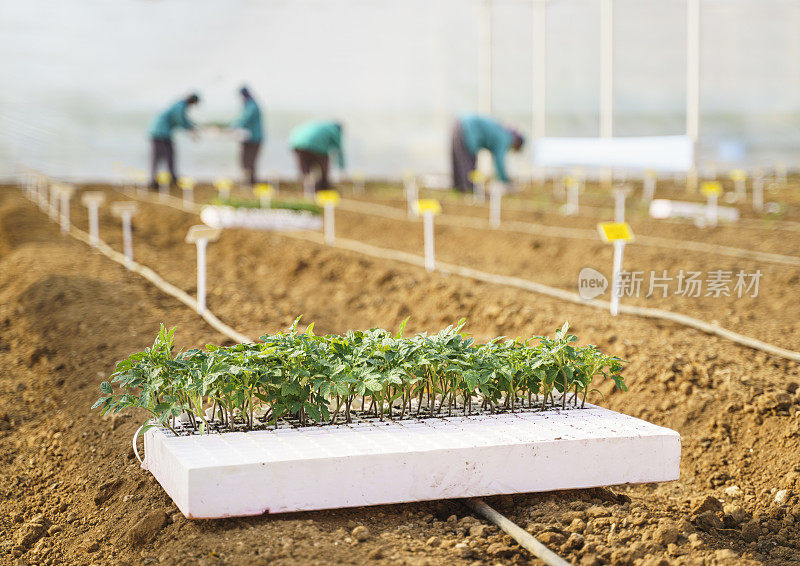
381 462
259 218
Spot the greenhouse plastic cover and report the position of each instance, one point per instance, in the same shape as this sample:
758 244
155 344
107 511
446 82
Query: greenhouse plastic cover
84 78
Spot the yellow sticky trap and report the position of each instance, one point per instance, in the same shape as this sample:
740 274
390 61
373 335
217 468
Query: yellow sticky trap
223 184
186 183
263 190
476 176
163 177
711 188
358 176
430 205
651 172
615 231
738 175
327 197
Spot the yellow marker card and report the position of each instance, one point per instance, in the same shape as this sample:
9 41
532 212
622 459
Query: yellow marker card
263 189
738 175
476 177
163 177
430 205
223 184
327 197
186 183
711 188
615 231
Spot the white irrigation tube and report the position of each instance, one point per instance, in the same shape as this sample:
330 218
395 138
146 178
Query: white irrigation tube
523 537
533 287
576 233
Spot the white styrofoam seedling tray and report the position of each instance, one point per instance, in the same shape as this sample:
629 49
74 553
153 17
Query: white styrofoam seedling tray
372 463
274 219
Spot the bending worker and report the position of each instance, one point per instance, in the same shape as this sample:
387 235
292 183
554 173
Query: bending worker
161 135
250 122
312 143
473 133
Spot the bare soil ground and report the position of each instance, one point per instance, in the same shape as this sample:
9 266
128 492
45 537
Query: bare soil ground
73 493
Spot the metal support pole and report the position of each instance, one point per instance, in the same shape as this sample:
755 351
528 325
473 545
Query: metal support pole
693 85
606 68
539 76
485 57
539 69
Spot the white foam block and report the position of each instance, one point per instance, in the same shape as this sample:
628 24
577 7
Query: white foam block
259 219
301 469
664 153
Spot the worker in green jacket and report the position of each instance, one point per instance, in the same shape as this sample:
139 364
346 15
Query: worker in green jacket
161 135
473 133
313 142
250 123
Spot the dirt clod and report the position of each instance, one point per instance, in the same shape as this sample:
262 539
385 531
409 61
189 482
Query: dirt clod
360 533
667 533
708 521
751 531
147 528
30 532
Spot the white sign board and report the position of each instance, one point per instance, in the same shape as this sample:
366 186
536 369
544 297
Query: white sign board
662 153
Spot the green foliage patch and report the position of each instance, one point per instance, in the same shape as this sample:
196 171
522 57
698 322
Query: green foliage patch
309 379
